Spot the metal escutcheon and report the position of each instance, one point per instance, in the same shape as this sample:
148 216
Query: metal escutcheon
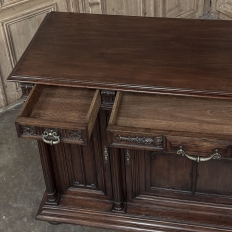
50 137
216 155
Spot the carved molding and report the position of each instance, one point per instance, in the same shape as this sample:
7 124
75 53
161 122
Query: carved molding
12 3
65 134
107 97
156 141
17 18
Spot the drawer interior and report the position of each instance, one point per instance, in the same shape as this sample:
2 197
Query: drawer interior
61 107
171 114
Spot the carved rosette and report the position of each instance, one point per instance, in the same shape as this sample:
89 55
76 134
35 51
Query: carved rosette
28 130
156 141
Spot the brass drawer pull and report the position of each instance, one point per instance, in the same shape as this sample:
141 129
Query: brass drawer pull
216 155
52 135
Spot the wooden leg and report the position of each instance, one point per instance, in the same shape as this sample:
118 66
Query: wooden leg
52 195
115 160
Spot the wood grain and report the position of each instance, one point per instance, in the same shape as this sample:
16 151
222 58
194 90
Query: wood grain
169 113
146 54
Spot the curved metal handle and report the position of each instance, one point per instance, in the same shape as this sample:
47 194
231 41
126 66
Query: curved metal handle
216 155
52 135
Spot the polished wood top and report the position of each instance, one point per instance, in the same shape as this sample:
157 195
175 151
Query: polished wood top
178 56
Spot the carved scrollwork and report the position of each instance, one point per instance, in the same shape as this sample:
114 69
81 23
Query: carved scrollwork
156 141
28 130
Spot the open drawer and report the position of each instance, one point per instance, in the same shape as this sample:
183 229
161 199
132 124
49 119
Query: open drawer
162 122
59 114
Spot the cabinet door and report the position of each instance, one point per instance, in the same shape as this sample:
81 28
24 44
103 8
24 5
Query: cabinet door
173 187
174 176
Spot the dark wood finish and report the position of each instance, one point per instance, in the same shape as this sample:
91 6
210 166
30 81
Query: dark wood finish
146 112
47 108
128 171
26 89
130 53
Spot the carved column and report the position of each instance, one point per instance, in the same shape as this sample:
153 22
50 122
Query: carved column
52 195
26 88
115 160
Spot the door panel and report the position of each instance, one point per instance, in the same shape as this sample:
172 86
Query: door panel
214 177
169 175
170 171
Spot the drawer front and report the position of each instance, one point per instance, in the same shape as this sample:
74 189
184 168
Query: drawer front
52 136
59 114
198 147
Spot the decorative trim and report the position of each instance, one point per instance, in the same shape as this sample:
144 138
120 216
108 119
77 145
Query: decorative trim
107 97
127 156
156 141
26 88
72 134
106 154
28 130
107 92
64 134
7 4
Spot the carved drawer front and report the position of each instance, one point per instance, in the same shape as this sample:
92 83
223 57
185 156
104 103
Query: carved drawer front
145 120
59 114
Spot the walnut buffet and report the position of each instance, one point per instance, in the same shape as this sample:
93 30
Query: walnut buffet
133 121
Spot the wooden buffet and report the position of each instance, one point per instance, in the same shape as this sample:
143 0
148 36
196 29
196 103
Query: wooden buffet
133 121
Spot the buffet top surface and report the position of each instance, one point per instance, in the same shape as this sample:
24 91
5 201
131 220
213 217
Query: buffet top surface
179 56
